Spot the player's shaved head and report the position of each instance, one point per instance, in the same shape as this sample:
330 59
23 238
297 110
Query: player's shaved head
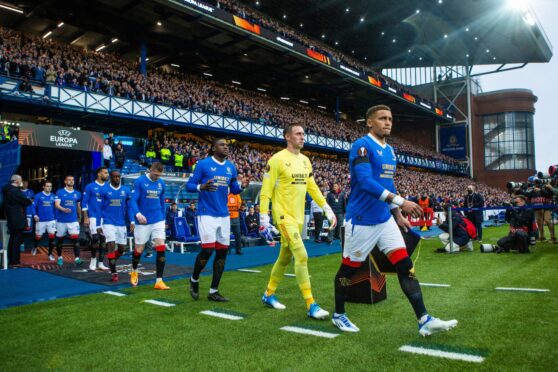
220 148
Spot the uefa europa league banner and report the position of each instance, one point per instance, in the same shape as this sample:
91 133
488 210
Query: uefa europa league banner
453 141
59 137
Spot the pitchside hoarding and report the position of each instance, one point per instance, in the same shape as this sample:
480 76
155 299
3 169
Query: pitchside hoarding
453 141
60 137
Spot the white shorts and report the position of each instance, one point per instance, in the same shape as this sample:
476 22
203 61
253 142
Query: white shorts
116 234
361 239
93 226
142 233
46 226
215 232
70 228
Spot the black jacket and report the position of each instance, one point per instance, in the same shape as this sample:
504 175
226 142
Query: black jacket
252 223
15 202
336 202
460 234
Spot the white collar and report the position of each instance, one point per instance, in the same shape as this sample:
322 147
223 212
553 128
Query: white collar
117 188
100 184
217 161
149 178
46 193
383 145
69 190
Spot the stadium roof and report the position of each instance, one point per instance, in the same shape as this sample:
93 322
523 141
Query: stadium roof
409 33
182 33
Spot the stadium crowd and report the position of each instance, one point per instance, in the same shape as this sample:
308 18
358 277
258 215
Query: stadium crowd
47 61
250 160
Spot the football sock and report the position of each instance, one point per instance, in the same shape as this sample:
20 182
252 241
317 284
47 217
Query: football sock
410 286
201 261
77 248
51 245
218 267
112 262
341 286
160 263
136 256
59 246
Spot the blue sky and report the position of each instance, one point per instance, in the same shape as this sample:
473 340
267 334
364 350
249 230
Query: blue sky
542 79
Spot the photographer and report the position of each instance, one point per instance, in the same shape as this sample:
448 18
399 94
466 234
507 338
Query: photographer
475 200
461 236
521 228
540 196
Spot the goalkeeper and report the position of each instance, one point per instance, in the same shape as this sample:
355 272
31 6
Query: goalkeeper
287 179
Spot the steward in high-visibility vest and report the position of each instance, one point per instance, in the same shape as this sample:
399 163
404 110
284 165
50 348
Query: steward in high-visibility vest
178 161
150 154
165 155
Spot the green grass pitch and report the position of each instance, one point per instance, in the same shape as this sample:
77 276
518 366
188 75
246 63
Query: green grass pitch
513 330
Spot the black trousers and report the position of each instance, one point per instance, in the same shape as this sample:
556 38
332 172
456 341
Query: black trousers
336 233
235 229
318 223
16 238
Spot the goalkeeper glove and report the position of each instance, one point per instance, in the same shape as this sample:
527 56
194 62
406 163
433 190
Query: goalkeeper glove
330 216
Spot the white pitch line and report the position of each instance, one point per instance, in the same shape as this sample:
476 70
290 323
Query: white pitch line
159 303
521 289
117 294
442 354
290 275
434 285
311 332
249 271
221 315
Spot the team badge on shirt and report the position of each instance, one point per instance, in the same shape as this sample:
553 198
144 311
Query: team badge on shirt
362 152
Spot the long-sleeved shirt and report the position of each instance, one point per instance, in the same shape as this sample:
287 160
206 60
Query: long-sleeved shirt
148 198
287 179
372 166
224 177
107 152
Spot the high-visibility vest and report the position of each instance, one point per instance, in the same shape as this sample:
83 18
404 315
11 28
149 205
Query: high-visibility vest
424 203
165 154
150 154
194 166
7 133
178 159
233 205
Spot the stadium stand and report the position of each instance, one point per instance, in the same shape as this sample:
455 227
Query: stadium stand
46 61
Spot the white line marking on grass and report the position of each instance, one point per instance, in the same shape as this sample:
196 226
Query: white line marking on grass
221 315
117 294
294 275
159 303
434 285
311 332
442 354
521 289
249 271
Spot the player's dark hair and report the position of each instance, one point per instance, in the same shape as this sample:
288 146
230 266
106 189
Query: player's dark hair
68 175
47 181
99 170
372 110
289 128
157 166
114 171
217 139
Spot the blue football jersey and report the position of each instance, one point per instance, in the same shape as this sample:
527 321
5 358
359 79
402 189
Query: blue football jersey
44 206
224 177
91 201
148 198
115 204
68 199
372 166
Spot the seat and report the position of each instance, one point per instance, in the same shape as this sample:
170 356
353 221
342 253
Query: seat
182 234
